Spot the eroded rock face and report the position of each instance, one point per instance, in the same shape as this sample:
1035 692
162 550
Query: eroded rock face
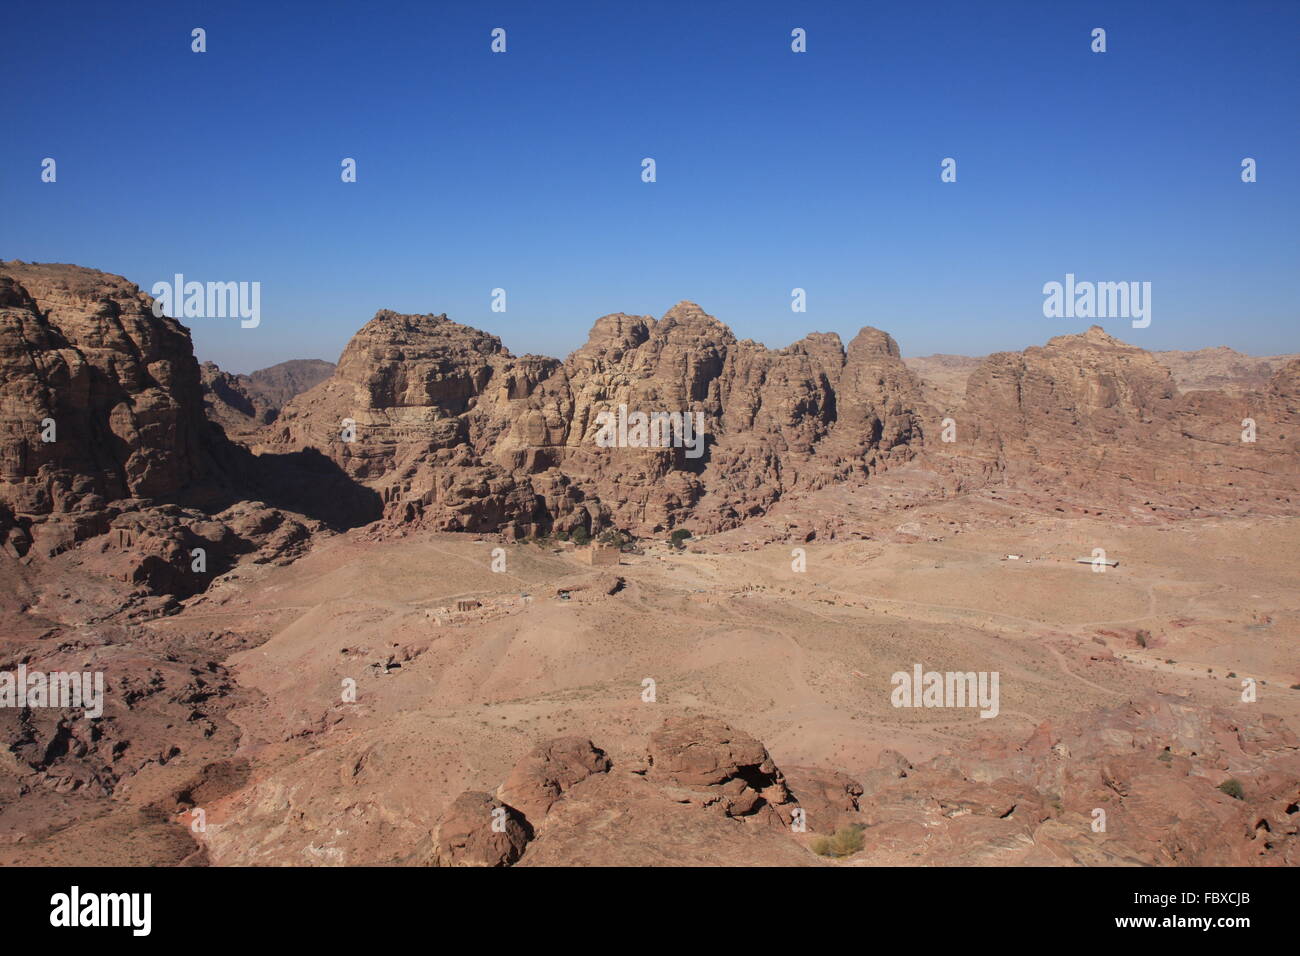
538 780
1090 412
83 349
243 404
470 834
103 439
458 434
712 765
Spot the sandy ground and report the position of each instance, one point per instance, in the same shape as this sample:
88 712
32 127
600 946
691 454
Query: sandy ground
447 701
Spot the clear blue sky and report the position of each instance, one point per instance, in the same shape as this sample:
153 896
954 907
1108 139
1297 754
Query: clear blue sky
775 169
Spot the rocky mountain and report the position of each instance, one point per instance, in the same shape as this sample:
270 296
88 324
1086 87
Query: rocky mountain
426 423
276 384
105 439
1222 369
83 350
242 404
518 696
1088 412
943 378
458 434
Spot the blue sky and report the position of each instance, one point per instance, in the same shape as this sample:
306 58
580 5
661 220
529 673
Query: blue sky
775 170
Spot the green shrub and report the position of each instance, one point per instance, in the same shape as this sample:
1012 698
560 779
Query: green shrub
677 537
1143 638
614 537
844 842
580 535
1232 787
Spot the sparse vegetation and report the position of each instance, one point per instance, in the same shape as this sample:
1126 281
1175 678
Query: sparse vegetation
580 535
1143 638
677 537
615 537
1232 787
844 842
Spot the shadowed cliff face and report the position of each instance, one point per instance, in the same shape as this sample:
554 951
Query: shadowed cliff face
104 437
241 404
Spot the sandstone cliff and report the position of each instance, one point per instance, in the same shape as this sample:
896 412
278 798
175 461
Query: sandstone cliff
1090 413
458 434
105 439
241 404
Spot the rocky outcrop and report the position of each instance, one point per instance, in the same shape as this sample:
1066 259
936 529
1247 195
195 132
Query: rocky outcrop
1090 413
101 398
479 830
700 782
543 776
704 762
457 434
242 404
1150 771
1222 369
104 439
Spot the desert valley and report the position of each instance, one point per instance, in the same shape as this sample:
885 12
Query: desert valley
406 610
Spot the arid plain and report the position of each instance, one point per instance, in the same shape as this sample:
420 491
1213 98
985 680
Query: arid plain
406 652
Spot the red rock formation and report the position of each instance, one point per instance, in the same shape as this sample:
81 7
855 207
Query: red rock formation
242 404
457 434
706 763
1153 766
1088 412
542 777
121 385
478 830
134 465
